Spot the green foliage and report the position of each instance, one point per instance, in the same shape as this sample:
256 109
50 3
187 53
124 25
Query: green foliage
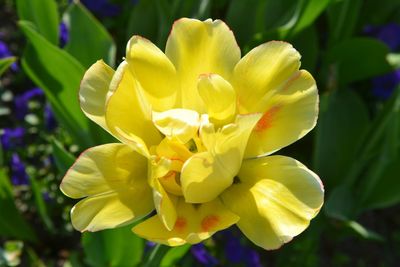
59 74
5 63
355 148
12 224
43 14
98 43
115 247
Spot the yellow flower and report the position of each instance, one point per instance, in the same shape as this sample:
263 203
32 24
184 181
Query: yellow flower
196 126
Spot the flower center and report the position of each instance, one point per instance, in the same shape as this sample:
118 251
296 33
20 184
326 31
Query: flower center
167 161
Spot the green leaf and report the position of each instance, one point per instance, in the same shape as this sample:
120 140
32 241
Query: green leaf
359 58
311 11
43 14
342 19
307 45
88 40
340 204
142 20
12 223
385 193
115 247
364 232
40 204
62 158
5 63
343 122
174 255
59 75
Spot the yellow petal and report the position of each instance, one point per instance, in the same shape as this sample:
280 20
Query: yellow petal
113 178
154 71
128 114
194 224
219 98
196 47
263 71
181 124
205 175
93 91
165 205
290 113
275 198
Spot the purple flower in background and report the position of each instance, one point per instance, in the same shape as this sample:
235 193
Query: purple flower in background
11 138
18 171
5 52
49 119
389 34
64 34
384 85
21 101
237 253
102 8
202 256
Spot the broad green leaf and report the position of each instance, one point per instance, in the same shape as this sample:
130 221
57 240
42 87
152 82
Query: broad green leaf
359 58
340 204
5 63
385 193
62 158
311 11
88 40
43 14
342 124
142 20
342 19
262 17
59 75
12 224
174 255
115 247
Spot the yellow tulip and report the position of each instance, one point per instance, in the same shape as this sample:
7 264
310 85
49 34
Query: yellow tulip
197 125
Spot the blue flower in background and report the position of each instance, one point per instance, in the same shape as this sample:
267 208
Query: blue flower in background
102 8
50 121
201 254
18 171
21 101
384 85
11 138
238 253
64 34
5 52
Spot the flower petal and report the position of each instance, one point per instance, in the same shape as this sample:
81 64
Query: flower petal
196 47
219 98
290 114
113 177
193 224
165 205
93 92
154 71
181 124
205 175
275 197
128 114
263 71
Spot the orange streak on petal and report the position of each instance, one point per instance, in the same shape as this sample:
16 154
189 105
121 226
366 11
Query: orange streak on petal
209 222
180 224
266 120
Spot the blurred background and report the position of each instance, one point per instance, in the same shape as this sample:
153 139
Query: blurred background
352 48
